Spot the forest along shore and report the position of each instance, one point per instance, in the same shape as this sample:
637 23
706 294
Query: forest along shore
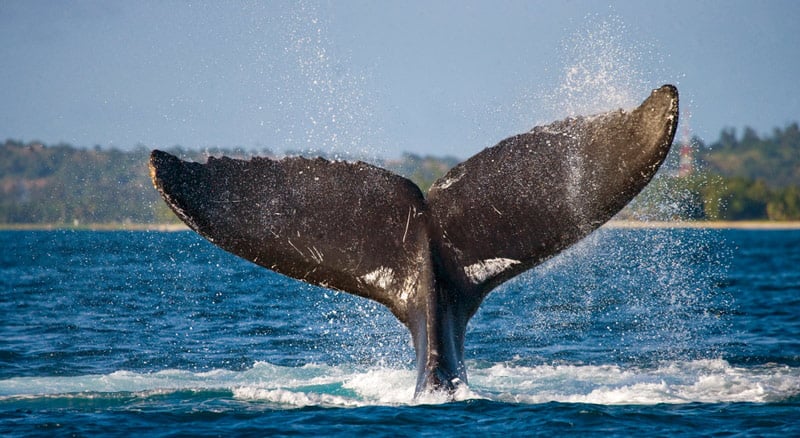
743 177
716 225
95 227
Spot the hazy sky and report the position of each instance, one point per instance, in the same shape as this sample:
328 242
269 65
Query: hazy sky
440 77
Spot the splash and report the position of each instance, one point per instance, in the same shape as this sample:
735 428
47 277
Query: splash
360 331
625 295
673 382
598 68
337 114
670 298
603 69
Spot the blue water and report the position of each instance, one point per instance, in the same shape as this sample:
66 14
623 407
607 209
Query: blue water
657 332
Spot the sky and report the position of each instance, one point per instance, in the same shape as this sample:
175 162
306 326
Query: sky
382 77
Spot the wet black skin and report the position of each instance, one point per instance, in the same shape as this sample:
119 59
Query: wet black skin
366 231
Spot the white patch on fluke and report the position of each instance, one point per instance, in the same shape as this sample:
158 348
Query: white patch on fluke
448 180
382 277
409 285
479 272
445 183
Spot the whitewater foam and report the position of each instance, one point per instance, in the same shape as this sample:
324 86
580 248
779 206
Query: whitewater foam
698 381
703 381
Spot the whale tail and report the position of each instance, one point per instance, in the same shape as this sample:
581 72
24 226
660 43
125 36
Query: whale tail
361 229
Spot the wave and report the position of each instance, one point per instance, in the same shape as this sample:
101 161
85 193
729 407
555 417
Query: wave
674 382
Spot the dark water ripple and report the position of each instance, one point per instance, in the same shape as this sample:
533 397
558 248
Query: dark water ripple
477 417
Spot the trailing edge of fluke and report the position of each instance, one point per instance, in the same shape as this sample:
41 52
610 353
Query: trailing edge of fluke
361 229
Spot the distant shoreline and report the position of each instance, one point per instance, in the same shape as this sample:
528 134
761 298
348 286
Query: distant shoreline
94 227
715 225
616 224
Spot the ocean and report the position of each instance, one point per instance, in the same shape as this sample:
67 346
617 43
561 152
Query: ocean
659 332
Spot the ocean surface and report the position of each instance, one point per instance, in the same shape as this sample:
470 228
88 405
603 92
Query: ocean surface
658 332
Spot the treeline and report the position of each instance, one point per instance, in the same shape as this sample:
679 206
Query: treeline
745 177
63 184
66 185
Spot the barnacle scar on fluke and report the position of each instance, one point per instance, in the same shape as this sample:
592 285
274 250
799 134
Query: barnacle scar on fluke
361 229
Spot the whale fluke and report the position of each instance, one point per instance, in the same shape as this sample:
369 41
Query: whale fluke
361 229
346 226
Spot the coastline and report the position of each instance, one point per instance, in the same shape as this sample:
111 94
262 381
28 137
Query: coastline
714 225
616 224
168 227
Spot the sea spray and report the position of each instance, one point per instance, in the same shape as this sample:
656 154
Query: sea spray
634 296
337 112
356 330
602 68
648 294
